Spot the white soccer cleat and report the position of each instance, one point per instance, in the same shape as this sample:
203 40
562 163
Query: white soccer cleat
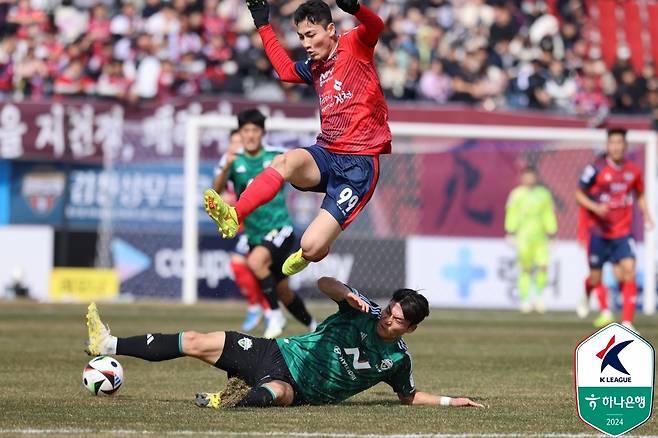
313 325
525 307
629 325
274 325
582 309
540 307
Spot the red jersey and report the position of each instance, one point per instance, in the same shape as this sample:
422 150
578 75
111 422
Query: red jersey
353 110
613 185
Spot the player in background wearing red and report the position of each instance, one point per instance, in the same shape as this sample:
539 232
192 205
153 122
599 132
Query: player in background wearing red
344 164
607 188
601 291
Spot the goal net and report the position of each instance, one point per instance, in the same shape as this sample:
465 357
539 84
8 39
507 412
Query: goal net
435 222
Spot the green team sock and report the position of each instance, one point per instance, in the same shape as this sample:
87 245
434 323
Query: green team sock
524 286
541 279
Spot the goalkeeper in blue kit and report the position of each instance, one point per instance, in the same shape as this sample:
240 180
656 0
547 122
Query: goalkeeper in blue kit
352 350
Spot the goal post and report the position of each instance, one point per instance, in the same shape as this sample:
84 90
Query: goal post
578 138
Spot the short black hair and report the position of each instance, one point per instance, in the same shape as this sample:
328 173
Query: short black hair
251 115
415 307
529 169
617 130
315 11
233 132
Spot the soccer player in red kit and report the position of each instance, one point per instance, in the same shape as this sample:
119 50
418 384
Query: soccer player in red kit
606 190
344 164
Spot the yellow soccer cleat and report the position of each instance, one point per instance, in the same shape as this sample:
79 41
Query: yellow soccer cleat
208 400
99 333
221 213
603 320
294 264
236 389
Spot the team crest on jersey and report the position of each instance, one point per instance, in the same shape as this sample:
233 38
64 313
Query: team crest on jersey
245 343
386 364
608 177
240 169
628 176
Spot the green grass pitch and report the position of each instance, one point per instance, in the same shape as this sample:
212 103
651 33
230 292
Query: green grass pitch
520 366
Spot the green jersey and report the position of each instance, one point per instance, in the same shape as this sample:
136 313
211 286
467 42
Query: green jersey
529 214
345 356
266 218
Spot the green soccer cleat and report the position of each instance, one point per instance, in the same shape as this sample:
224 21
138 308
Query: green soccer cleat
294 264
208 400
603 320
221 213
99 333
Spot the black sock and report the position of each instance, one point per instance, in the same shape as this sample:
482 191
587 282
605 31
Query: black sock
267 286
153 347
259 397
298 309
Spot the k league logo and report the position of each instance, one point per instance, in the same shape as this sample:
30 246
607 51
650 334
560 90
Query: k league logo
614 370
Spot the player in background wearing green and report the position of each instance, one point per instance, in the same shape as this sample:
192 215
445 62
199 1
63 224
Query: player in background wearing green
352 350
529 220
269 228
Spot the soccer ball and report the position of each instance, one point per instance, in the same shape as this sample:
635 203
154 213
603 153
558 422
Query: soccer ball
103 375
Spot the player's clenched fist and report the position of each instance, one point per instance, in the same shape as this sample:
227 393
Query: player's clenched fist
260 12
349 6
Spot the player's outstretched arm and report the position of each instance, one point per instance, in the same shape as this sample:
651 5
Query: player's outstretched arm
338 292
371 25
284 66
420 398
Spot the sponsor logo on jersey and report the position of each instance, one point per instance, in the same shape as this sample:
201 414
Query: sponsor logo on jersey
324 77
386 364
245 343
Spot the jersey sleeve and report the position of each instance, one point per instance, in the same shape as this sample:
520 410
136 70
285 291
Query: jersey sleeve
370 28
512 213
344 307
284 66
402 379
588 177
303 69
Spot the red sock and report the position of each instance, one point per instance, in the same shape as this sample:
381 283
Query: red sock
588 287
261 191
602 295
247 282
629 293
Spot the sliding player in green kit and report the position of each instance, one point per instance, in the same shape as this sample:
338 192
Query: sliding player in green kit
352 350
529 220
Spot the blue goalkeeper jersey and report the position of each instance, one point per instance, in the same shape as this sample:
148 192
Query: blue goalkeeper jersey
345 356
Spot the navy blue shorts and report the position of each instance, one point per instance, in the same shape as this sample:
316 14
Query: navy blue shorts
348 181
609 250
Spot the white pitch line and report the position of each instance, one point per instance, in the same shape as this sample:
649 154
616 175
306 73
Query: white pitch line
296 434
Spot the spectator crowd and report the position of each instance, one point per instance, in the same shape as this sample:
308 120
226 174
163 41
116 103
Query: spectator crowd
489 53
